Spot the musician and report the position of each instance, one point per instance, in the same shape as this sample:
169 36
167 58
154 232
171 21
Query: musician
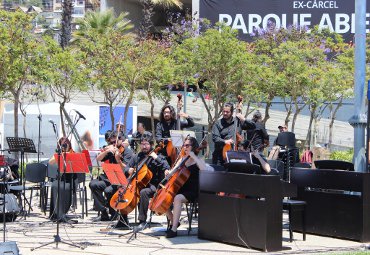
167 122
189 191
258 136
66 182
223 131
136 137
259 159
157 164
115 154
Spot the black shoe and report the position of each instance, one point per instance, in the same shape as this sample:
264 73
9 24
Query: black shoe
170 226
121 226
104 216
171 234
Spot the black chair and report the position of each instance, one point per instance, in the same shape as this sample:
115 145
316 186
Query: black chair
295 206
82 192
191 211
278 165
302 165
34 173
334 164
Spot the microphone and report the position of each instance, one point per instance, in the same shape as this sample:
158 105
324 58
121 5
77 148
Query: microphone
79 114
51 121
54 125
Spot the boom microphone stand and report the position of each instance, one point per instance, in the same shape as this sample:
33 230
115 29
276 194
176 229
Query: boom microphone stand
57 238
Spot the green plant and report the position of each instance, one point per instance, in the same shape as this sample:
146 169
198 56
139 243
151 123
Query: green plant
342 155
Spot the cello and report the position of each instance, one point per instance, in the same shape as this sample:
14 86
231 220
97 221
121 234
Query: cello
126 198
237 138
170 185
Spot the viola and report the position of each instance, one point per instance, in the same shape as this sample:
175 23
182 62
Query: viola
126 198
237 138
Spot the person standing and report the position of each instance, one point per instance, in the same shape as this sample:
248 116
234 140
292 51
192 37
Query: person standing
223 131
258 137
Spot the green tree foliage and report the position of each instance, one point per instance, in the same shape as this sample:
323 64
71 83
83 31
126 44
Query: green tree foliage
219 59
22 57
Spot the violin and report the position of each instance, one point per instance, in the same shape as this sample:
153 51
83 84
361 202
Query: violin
171 184
237 138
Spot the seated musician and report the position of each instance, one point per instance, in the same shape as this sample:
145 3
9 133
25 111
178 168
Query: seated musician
115 154
157 164
223 131
167 122
136 137
65 193
259 159
189 191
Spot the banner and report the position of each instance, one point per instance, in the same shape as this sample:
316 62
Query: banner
249 16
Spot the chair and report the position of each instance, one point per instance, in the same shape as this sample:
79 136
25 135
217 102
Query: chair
191 210
278 165
334 164
82 192
35 173
295 206
51 174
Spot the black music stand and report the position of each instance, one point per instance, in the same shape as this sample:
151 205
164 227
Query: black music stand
22 145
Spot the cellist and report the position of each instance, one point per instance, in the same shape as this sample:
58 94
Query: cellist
189 191
157 164
223 131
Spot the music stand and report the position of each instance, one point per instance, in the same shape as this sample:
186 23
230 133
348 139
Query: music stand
22 145
73 163
115 174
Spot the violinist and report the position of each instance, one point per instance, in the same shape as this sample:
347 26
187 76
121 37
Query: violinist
67 180
167 122
189 191
115 153
157 164
223 131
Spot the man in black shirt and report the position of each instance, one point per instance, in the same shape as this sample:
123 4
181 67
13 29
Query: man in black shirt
116 155
223 131
157 164
258 136
136 137
167 122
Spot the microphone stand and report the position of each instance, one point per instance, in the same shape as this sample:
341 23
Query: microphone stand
57 238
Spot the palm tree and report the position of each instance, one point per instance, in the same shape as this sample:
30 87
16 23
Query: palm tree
101 22
65 36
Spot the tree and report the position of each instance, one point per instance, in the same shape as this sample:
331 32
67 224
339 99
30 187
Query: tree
158 69
22 56
219 59
65 74
103 38
65 37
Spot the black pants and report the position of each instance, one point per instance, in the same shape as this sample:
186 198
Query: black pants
65 199
102 192
217 158
145 195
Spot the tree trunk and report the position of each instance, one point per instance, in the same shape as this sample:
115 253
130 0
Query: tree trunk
151 111
127 106
332 119
267 111
62 118
66 23
309 131
146 23
111 114
16 120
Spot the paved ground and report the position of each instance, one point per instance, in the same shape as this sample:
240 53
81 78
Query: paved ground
37 230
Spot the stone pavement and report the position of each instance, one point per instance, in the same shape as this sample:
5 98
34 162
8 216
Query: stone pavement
37 230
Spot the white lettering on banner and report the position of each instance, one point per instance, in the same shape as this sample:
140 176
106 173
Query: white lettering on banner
342 20
254 22
222 17
239 23
342 23
315 4
325 22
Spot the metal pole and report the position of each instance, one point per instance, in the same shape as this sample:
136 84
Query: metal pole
358 120
367 127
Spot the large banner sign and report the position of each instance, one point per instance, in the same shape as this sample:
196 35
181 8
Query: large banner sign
248 16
